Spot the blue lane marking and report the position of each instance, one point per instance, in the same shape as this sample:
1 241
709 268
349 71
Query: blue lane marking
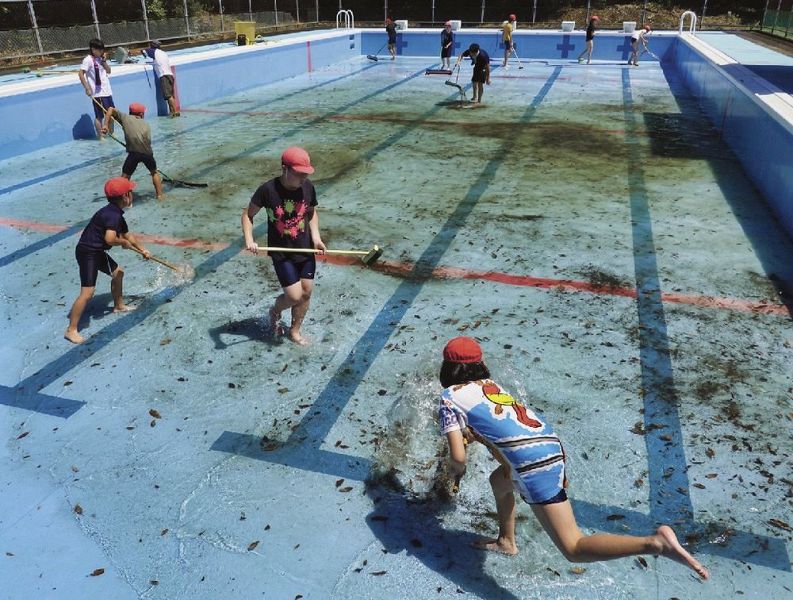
565 46
669 485
303 446
168 136
46 242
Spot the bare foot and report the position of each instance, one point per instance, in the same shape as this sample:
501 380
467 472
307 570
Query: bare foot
74 336
162 197
123 308
672 549
496 545
298 339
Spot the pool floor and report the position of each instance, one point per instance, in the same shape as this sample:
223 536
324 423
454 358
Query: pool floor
587 225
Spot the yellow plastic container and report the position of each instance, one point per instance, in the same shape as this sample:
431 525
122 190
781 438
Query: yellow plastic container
246 28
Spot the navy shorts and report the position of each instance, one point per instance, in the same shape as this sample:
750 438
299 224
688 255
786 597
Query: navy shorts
508 46
134 159
446 52
166 85
91 261
557 499
480 76
106 101
289 272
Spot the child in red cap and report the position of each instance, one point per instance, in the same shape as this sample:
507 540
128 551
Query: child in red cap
531 459
506 36
638 38
590 40
292 222
107 228
137 134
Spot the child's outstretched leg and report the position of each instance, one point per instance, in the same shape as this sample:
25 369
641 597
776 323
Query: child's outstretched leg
559 523
501 483
86 293
157 181
299 311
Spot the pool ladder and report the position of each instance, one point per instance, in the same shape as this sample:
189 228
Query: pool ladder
345 19
692 25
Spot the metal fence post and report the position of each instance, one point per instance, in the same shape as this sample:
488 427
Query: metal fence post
297 10
220 8
385 9
789 19
644 13
482 14
35 26
275 7
316 8
186 19
145 19
702 18
587 10
765 10
96 19
433 11
250 11
776 16
534 13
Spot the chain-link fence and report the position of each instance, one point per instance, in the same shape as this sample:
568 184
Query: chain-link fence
778 18
30 28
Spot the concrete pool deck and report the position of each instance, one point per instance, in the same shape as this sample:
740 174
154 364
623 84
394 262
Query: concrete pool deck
588 226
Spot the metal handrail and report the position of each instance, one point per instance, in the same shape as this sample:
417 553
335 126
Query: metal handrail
692 25
347 17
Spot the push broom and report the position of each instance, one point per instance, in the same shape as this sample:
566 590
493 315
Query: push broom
368 257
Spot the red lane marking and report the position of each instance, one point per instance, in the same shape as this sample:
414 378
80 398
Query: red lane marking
404 269
308 54
32 225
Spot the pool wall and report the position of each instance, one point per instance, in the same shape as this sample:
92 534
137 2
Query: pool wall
544 45
754 119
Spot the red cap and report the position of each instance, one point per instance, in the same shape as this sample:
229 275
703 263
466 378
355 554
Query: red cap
118 186
136 108
462 350
513 18
595 18
389 20
648 28
447 24
297 159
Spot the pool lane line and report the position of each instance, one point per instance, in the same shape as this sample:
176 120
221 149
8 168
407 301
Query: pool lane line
668 497
58 235
405 269
168 136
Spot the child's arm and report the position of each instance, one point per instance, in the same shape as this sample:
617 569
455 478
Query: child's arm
134 244
109 114
457 456
247 227
313 226
84 81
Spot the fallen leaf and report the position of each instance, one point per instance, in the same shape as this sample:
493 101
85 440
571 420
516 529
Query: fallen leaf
577 570
615 517
252 545
345 489
711 475
698 485
554 571
78 509
153 423
378 573
21 435
97 572
154 582
9 554
65 383
75 469
155 413
164 531
641 561
710 453
339 482
780 524
165 341
266 527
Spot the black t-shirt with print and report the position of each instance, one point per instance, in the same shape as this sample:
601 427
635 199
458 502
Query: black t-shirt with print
288 215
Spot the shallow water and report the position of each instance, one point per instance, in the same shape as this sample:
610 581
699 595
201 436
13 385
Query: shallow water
529 224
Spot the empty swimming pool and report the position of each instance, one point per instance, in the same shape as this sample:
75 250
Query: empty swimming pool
587 225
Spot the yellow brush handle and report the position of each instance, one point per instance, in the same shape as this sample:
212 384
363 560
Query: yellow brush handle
313 250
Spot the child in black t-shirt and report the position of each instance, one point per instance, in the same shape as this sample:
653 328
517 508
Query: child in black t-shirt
107 228
390 29
292 222
590 40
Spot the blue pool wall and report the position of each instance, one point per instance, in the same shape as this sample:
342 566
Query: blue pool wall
62 112
761 139
544 45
